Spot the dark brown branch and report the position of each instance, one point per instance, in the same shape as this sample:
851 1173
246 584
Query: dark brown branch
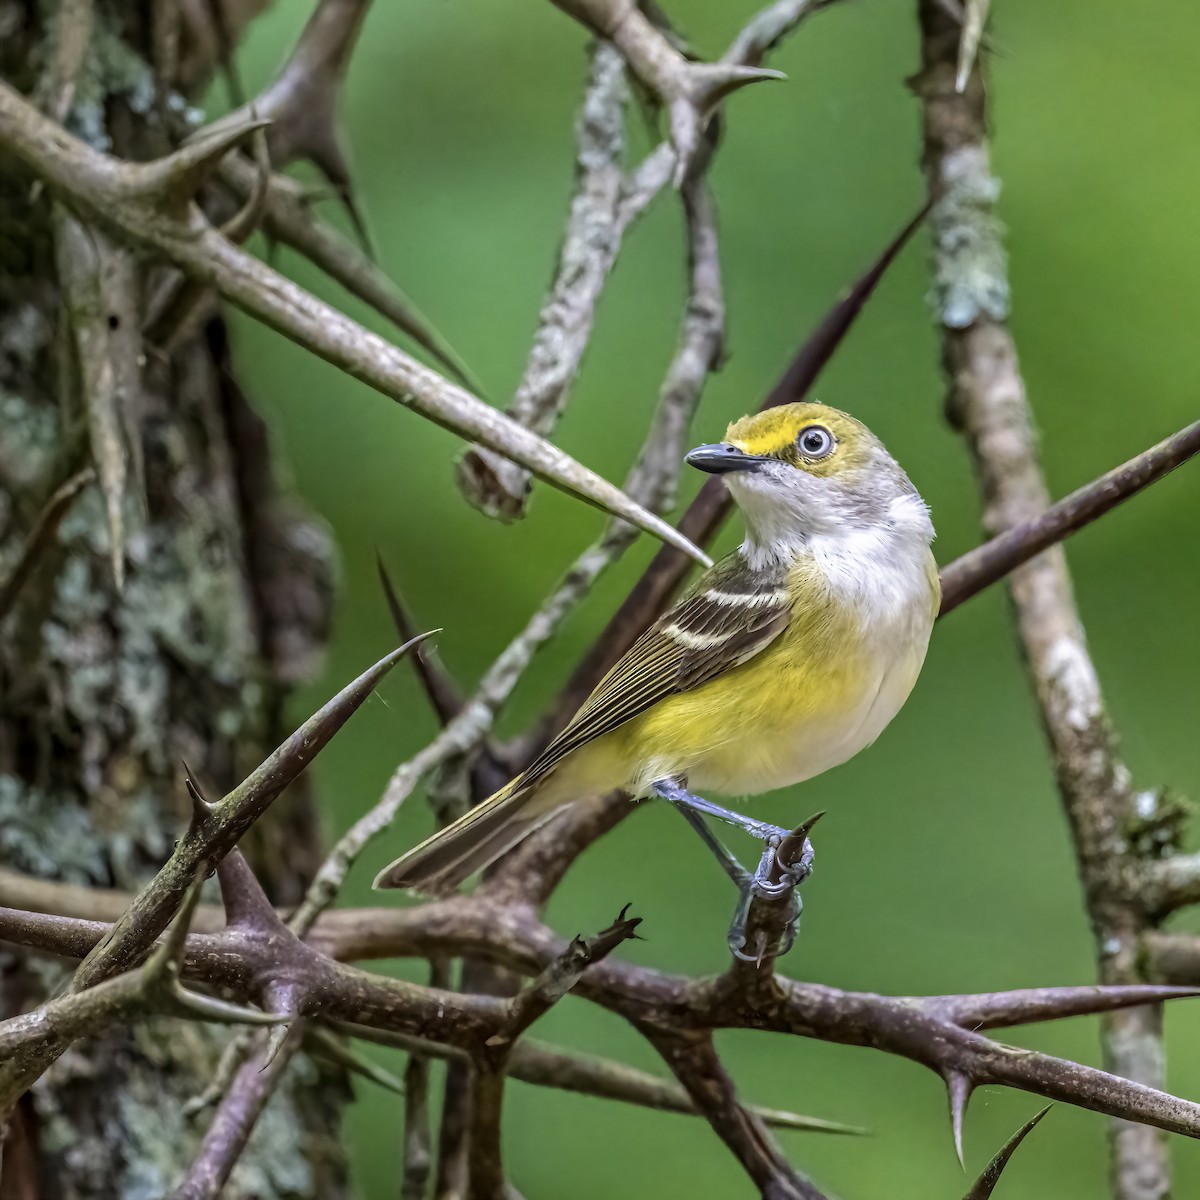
694 1062
493 1057
29 1041
442 692
937 1032
986 564
236 1116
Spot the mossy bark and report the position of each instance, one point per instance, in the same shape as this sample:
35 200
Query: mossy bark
105 690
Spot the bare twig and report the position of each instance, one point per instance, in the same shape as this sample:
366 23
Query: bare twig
539 1063
768 28
40 536
492 1058
595 225
237 1115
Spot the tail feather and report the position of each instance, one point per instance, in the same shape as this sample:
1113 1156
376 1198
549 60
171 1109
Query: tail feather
442 862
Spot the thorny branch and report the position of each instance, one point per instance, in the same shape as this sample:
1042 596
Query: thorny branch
943 1033
148 205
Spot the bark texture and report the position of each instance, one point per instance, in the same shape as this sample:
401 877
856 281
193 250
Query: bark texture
105 690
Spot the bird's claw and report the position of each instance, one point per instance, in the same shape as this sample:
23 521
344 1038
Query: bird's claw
770 881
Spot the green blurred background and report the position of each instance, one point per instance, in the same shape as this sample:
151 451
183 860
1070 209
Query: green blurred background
944 860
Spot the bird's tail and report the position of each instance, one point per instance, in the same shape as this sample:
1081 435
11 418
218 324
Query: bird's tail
442 862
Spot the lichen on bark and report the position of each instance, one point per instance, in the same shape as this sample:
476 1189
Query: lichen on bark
103 691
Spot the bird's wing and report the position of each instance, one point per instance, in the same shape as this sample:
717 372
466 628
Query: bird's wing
730 616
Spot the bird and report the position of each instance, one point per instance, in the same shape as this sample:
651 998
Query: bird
785 659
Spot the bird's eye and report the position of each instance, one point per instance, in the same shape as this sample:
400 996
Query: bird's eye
815 441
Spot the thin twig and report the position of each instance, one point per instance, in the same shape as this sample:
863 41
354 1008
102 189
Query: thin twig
45 526
589 249
992 561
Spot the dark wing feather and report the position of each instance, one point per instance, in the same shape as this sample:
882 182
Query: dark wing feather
730 616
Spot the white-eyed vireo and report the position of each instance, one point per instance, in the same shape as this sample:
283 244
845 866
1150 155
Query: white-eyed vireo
787 657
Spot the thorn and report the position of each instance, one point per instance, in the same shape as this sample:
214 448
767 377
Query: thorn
163 964
712 82
246 220
209 1008
201 809
252 796
968 46
958 1090
246 904
790 851
820 345
179 176
275 1040
781 1119
986 1183
440 689
707 84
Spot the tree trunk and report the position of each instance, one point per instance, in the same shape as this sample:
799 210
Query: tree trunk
104 689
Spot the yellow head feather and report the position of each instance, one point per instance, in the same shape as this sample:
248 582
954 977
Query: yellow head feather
776 432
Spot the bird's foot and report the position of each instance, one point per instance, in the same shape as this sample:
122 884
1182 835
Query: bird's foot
757 933
767 917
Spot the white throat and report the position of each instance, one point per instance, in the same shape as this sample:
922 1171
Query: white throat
877 567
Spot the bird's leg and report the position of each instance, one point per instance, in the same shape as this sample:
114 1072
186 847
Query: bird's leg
783 867
730 865
678 795
785 863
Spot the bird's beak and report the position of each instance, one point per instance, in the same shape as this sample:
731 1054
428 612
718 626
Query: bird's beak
720 458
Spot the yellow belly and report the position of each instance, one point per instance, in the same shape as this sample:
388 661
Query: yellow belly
811 700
